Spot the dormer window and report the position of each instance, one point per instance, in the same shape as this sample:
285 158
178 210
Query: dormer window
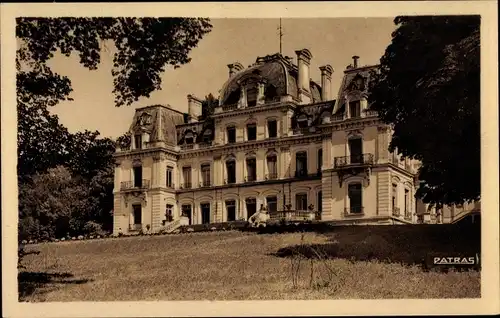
252 96
138 141
189 139
302 121
355 109
207 136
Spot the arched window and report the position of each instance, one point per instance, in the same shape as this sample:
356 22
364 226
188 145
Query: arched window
301 202
302 121
270 93
189 138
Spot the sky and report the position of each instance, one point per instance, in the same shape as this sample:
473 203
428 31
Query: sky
330 40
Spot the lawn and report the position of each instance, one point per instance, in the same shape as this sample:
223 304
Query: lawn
355 262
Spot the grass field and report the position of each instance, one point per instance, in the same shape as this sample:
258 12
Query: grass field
356 262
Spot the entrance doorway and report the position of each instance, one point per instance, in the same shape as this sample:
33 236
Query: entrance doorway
186 211
137 213
251 204
205 213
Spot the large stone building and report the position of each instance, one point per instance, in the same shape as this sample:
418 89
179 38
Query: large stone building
277 140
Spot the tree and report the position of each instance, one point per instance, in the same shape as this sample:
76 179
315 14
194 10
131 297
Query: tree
428 89
208 106
144 48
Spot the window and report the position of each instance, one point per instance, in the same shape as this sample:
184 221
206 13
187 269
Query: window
355 109
272 168
302 121
189 139
251 96
251 204
231 210
251 131
186 173
138 177
301 202
272 128
186 211
395 209
205 213
320 160
356 150
170 177
207 136
231 171
231 135
169 215
138 141
137 210
407 201
251 169
272 204
301 164
205 175
320 201
355 199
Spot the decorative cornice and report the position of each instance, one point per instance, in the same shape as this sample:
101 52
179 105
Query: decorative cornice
256 109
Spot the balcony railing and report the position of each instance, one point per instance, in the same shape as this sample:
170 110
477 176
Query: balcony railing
229 181
229 107
396 212
250 178
204 145
187 146
271 176
135 227
354 210
186 185
142 184
371 113
363 159
205 183
338 117
294 215
301 174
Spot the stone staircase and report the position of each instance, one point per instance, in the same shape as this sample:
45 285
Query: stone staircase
171 226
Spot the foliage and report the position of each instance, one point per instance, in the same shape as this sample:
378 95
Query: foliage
145 46
65 179
428 89
208 106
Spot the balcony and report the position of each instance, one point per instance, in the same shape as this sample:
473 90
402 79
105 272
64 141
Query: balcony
271 176
229 181
338 117
294 215
354 160
205 184
229 107
135 185
204 145
396 212
186 185
135 227
354 211
250 178
301 174
187 146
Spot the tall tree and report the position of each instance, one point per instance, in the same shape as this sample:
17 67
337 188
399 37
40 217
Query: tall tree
144 48
428 88
208 106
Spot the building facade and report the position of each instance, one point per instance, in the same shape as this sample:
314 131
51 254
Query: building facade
277 140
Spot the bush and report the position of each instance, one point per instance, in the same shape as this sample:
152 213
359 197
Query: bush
93 228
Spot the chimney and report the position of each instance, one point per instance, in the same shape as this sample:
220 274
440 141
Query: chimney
303 62
355 59
326 82
194 108
234 68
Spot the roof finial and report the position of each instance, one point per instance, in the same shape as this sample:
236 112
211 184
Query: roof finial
281 36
